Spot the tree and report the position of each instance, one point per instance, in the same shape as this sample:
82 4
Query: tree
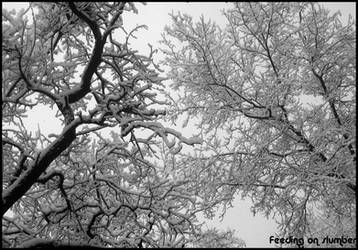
245 85
213 238
80 187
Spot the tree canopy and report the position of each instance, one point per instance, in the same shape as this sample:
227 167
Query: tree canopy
79 187
116 176
247 83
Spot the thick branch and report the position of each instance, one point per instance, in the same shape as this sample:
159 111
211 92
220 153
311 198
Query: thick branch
79 92
17 189
83 16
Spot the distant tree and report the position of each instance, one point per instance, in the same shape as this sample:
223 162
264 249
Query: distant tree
79 187
244 86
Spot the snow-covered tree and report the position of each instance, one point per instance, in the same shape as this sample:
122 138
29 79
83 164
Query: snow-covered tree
273 95
213 238
79 187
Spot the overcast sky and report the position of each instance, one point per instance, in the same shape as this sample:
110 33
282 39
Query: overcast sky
255 231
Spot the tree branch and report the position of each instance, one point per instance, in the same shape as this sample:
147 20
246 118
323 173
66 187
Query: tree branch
79 92
17 189
334 110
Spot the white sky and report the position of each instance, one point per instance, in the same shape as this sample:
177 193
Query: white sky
254 230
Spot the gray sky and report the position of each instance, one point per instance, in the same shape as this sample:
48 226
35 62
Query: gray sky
254 230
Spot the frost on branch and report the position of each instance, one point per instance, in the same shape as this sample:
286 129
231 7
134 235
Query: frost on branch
75 186
247 84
